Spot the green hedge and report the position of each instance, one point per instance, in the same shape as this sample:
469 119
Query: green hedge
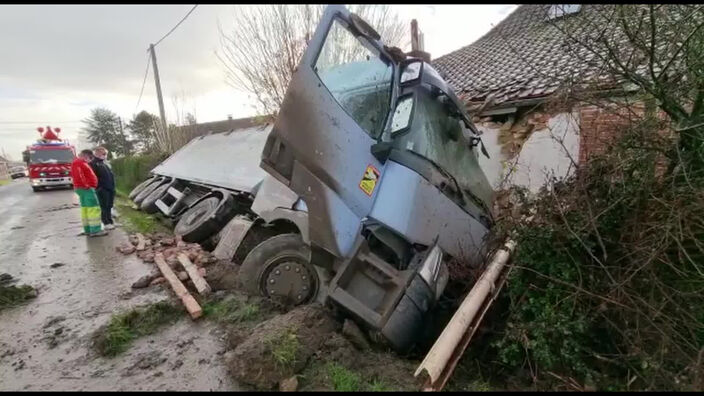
130 171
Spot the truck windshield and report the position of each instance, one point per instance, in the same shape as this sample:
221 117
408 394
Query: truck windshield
432 128
357 76
50 156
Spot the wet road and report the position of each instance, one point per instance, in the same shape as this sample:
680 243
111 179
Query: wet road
38 353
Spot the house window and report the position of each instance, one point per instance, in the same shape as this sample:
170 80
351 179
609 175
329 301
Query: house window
559 10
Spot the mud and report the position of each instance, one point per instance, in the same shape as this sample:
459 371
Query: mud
45 342
261 361
320 342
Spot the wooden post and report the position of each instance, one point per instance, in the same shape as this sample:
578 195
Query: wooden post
200 283
188 301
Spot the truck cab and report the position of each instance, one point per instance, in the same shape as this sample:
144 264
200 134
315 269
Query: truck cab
377 151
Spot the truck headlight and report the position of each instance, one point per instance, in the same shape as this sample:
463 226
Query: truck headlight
42 174
66 173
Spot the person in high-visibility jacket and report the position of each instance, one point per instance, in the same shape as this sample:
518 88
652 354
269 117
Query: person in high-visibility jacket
84 183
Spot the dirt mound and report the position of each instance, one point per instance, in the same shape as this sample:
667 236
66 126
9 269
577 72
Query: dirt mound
339 365
281 347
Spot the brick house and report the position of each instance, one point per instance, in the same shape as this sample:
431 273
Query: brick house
511 80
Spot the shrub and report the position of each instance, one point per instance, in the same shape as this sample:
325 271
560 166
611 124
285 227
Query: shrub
130 171
607 287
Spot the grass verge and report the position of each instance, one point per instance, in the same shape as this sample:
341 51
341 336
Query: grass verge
5 181
343 379
124 328
136 221
11 296
231 310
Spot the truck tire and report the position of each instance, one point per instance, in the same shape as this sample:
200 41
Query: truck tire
279 268
147 190
141 186
36 189
197 223
149 203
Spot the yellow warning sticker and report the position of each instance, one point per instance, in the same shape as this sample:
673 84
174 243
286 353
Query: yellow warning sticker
368 183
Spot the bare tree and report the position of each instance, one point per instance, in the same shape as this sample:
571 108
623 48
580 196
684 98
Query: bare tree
265 43
655 48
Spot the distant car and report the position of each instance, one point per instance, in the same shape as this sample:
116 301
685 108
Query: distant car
18 171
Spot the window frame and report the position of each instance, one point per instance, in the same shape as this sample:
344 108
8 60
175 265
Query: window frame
393 90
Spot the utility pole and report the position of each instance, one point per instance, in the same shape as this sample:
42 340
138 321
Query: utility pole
158 89
418 43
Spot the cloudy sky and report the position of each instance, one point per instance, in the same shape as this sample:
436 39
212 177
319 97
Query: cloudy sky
59 61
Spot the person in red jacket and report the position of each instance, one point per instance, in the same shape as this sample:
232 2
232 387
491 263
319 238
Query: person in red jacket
84 183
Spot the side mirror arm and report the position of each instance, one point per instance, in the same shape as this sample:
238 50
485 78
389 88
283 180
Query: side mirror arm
477 141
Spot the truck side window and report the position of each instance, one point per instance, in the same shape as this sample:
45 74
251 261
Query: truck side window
357 77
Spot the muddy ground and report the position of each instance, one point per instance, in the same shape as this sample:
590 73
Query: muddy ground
45 343
241 343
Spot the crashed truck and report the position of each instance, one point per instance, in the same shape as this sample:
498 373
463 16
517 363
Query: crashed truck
357 196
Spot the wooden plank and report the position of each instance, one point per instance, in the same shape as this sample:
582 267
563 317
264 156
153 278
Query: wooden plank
200 283
141 242
188 301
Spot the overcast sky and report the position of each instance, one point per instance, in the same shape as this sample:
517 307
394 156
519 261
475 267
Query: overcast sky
59 61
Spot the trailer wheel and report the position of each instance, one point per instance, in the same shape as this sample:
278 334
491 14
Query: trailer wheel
197 223
149 203
147 190
279 268
141 186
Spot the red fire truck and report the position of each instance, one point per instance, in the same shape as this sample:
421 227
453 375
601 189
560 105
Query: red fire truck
49 160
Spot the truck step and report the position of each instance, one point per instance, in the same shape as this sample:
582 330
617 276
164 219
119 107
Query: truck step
231 237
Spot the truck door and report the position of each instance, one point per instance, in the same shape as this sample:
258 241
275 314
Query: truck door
336 106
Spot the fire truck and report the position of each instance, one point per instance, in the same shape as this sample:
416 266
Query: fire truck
49 160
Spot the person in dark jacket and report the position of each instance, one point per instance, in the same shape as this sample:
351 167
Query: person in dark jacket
106 186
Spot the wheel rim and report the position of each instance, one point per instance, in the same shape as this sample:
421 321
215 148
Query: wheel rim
195 215
289 278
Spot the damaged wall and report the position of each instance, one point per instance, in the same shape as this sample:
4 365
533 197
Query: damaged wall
529 144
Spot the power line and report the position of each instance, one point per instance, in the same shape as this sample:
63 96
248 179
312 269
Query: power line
141 91
40 122
177 25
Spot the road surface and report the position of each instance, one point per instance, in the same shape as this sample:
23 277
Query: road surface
92 282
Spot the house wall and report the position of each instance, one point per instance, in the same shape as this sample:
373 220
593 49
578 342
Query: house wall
549 150
4 170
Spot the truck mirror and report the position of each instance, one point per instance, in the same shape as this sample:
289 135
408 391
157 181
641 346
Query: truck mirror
25 156
401 119
411 71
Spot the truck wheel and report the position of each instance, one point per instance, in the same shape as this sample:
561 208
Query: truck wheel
36 189
149 203
198 223
147 190
279 268
141 186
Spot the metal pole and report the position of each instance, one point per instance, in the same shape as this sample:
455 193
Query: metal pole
158 89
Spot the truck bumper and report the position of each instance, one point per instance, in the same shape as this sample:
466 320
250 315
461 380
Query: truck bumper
51 181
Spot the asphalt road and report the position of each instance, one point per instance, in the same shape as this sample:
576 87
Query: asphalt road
81 293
